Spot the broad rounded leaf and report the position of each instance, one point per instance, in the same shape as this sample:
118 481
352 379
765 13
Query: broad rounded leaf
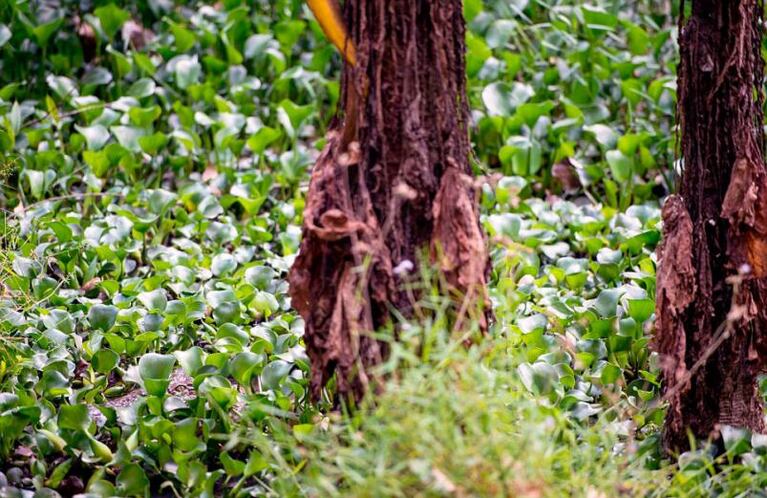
142 88
102 316
502 99
132 481
105 361
73 417
95 136
188 71
260 277
274 373
621 166
155 371
155 300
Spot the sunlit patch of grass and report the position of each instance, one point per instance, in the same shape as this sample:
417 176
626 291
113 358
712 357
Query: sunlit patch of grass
455 422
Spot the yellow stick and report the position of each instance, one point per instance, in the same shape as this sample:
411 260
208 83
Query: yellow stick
328 14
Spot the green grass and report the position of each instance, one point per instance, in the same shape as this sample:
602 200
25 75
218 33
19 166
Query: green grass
462 425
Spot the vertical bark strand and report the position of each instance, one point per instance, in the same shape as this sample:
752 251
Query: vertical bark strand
393 181
712 294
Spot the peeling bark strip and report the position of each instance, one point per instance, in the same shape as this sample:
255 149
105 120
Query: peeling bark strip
711 291
393 180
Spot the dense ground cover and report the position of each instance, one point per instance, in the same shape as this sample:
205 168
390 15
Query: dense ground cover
154 162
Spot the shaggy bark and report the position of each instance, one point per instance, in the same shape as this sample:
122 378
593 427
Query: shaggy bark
711 290
393 180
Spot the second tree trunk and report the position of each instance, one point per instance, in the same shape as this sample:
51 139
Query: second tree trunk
711 290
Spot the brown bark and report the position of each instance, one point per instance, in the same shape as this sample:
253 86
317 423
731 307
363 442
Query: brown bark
394 180
711 290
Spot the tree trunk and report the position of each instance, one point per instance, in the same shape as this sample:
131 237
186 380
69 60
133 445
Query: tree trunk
711 290
393 181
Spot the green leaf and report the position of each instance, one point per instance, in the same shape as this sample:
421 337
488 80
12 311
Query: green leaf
500 32
95 136
471 8
233 56
144 117
539 377
190 360
274 373
220 390
185 435
532 324
59 320
144 62
233 331
477 53
502 99
243 365
98 161
289 31
142 88
64 87
291 115
96 76
128 136
223 264
640 309
606 136
105 361
210 207
638 40
59 473
302 431
39 181
256 463
607 302
102 317
183 38
610 374
155 371
736 440
111 18
26 267
73 417
531 112
152 144
263 138
260 277
101 450
132 481
187 71
45 31
5 34
232 467
628 144
621 166
265 303
598 19
154 301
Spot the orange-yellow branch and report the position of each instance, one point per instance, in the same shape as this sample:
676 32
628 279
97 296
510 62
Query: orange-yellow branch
328 14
